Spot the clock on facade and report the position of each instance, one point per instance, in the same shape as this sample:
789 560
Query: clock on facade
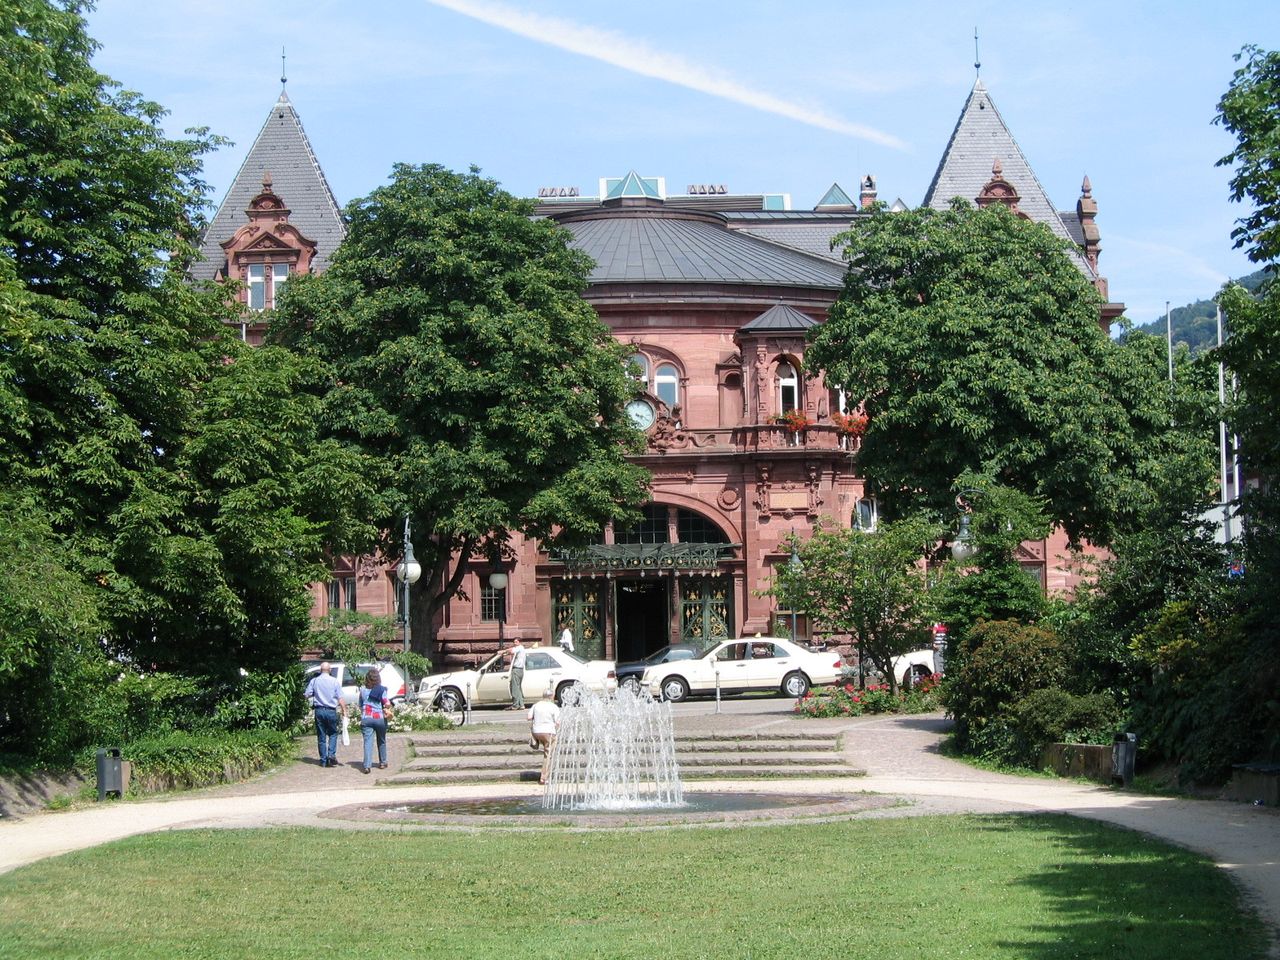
641 413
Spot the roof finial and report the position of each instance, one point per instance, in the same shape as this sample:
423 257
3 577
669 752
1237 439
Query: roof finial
977 61
284 76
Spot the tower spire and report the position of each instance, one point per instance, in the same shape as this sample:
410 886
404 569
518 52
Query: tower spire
977 60
284 76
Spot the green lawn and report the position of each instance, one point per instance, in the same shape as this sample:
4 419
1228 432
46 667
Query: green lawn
1031 888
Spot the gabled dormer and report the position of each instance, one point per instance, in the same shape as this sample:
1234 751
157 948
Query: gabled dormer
266 250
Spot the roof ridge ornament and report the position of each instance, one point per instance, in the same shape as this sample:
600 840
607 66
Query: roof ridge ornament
977 61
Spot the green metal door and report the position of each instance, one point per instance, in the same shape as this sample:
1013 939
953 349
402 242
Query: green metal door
579 605
704 610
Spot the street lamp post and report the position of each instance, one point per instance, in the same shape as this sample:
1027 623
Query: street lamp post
498 580
963 548
408 571
795 567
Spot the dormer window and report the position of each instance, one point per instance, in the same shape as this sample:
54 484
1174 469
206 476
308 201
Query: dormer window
266 282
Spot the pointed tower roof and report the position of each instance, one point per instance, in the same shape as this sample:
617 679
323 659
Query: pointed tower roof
283 150
980 142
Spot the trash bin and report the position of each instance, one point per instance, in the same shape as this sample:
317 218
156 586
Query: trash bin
1124 754
113 774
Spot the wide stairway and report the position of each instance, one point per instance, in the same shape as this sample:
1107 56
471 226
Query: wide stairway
491 757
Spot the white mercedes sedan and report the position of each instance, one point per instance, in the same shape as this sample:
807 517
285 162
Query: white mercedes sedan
742 665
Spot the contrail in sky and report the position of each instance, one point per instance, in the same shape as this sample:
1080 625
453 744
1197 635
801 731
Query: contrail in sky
632 55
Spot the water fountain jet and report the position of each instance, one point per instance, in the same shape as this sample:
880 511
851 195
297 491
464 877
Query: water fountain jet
614 752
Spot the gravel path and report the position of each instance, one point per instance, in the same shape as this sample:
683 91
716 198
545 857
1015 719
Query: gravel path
900 755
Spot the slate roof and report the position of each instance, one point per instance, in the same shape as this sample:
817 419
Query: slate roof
808 231
781 317
981 137
283 149
654 245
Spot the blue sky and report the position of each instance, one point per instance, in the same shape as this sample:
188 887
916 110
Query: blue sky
760 96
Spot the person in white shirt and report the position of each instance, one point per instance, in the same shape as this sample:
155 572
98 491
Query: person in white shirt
544 724
517 655
566 640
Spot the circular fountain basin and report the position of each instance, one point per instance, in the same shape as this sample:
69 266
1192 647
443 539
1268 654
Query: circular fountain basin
711 807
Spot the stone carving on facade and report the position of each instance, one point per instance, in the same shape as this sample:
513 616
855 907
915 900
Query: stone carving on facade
1031 551
669 433
816 500
1000 190
762 489
369 568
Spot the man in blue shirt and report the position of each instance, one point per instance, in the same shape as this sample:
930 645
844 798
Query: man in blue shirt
325 693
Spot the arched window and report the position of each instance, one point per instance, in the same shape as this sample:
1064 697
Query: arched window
666 384
866 517
651 529
638 367
788 388
695 528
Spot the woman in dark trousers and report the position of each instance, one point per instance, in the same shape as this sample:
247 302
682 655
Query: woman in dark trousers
375 708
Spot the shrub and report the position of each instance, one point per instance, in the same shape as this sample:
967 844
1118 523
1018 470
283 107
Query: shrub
846 700
178 759
417 717
1056 716
1007 661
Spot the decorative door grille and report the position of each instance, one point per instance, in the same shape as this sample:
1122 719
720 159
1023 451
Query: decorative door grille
579 605
704 613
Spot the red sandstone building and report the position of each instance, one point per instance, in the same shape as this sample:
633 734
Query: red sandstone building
714 293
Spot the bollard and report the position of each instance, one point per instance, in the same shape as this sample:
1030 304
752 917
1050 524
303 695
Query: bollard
1124 754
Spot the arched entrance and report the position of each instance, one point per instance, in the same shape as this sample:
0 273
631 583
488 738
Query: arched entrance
660 582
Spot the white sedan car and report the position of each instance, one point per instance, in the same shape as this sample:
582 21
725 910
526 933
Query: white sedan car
491 684
745 664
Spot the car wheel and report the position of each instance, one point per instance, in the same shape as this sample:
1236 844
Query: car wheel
569 691
631 684
675 689
795 685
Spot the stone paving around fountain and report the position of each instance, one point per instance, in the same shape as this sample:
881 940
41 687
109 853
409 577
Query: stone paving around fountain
898 754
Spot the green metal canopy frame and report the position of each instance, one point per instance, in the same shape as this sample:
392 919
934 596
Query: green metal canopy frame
645 557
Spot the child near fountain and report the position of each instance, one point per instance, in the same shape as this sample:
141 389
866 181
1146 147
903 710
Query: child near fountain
544 723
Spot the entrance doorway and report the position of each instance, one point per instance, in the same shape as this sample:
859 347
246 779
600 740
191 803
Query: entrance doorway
643 621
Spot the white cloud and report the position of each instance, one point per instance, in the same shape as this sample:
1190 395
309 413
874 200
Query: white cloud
637 57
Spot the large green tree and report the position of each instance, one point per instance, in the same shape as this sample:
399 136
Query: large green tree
1250 110
484 393
872 586
172 474
973 341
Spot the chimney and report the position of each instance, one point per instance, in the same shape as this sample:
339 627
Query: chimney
867 196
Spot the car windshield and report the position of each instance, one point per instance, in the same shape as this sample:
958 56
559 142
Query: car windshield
658 656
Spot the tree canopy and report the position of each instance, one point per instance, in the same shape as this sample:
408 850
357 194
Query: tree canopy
872 586
973 342
168 480
482 391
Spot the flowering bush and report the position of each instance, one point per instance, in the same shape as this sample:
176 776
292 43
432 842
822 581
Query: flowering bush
418 716
849 424
794 420
846 700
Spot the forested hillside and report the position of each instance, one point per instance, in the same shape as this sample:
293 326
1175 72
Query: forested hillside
1196 324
